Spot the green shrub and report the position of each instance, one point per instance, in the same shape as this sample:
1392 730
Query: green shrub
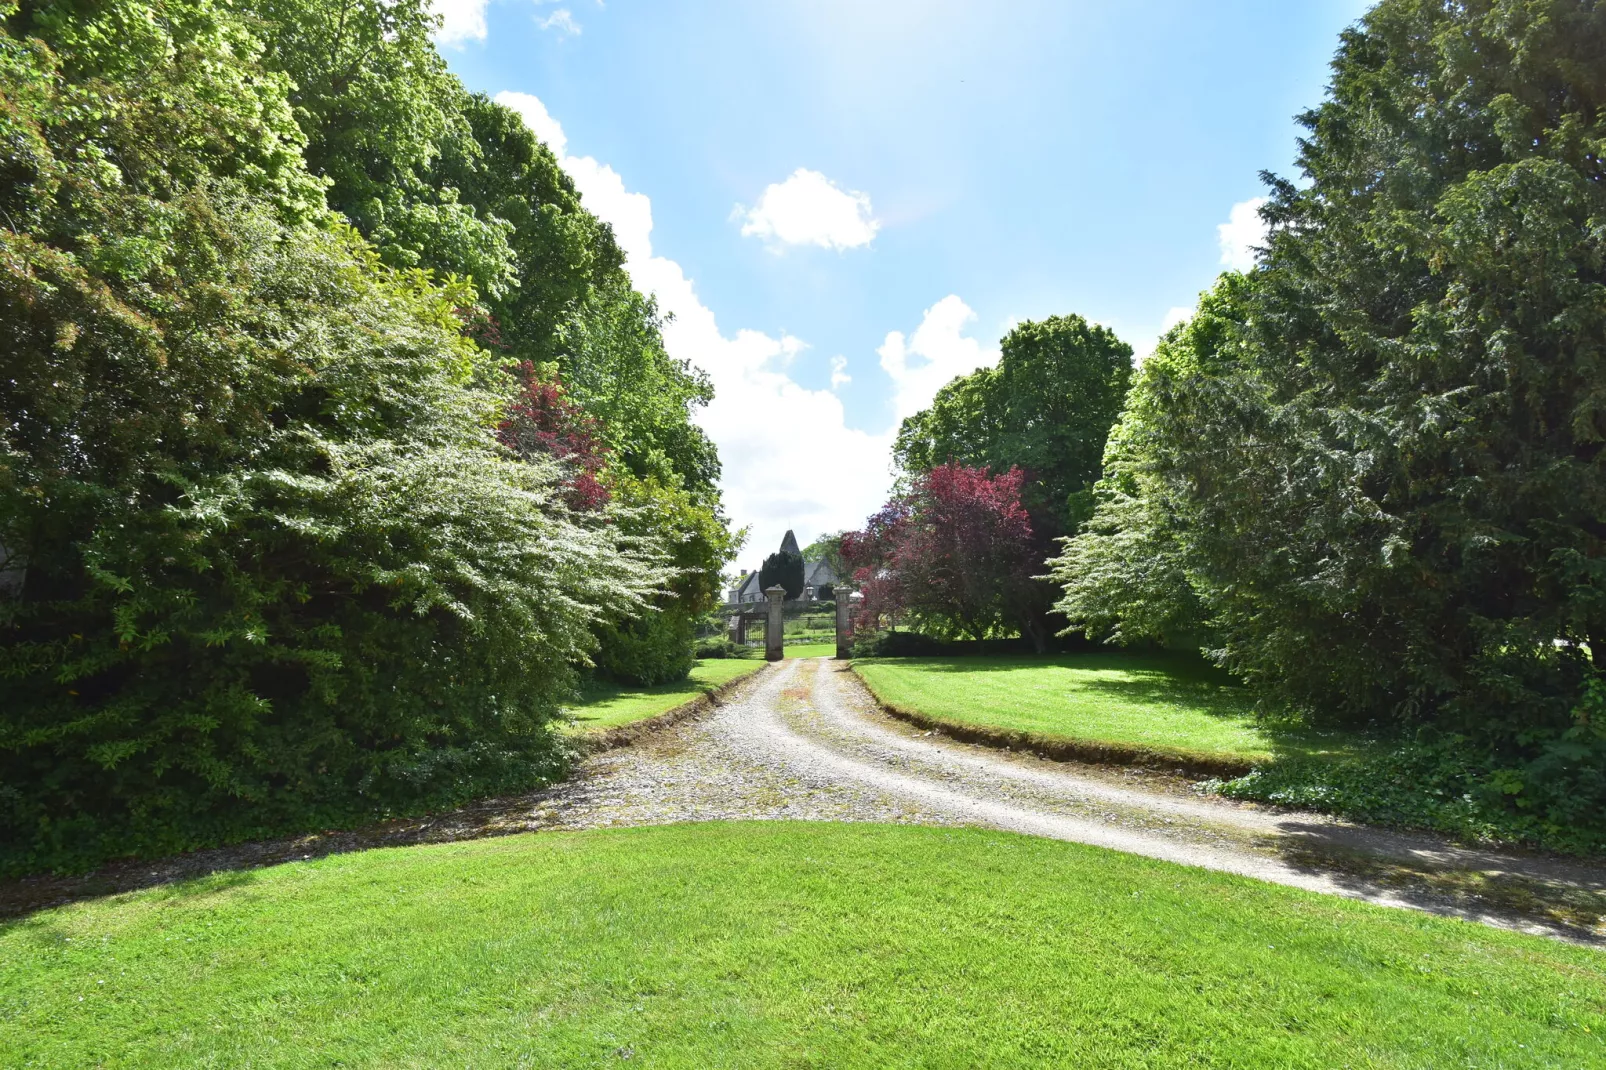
720 648
277 571
655 648
1446 783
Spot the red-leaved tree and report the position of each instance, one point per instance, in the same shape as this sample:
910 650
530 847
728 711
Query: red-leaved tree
955 556
543 422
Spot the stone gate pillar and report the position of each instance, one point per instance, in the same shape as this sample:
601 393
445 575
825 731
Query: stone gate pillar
773 641
846 606
737 631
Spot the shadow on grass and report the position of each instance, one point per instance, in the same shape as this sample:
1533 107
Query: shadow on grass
599 692
1564 896
44 931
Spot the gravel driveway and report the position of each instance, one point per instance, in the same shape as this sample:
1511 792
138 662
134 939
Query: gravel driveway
804 740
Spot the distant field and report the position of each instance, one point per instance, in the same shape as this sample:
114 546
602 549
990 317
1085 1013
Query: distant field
605 705
784 944
1166 705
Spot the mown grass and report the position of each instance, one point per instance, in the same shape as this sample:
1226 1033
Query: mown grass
1167 705
605 705
810 649
784 944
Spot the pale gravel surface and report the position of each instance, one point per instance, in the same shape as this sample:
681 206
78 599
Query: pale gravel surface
804 740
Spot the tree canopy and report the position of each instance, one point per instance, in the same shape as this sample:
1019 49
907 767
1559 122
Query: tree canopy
1376 461
1046 409
785 568
954 555
268 563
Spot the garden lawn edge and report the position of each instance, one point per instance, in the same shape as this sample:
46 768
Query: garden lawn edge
596 740
1066 748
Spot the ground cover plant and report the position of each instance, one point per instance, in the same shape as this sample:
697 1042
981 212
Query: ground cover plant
764 944
605 704
1169 705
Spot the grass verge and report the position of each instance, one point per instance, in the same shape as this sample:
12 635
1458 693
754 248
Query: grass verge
792 944
1176 711
605 705
1156 709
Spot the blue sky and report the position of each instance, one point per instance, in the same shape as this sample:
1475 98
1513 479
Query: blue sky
846 204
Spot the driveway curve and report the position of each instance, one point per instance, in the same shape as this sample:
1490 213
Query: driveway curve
805 740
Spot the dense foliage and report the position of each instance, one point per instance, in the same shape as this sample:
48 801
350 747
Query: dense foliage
785 568
275 567
954 556
1046 409
1375 468
440 178
542 423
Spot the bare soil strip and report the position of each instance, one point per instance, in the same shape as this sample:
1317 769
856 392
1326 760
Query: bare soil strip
805 740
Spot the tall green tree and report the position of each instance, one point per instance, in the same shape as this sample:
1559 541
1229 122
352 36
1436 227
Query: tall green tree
275 570
1387 462
440 178
379 108
1128 576
1046 408
784 568
443 179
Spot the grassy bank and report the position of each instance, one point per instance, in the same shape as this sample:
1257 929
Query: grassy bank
1167 707
606 705
1119 706
790 944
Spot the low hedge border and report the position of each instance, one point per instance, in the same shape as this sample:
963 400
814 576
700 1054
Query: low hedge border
1063 749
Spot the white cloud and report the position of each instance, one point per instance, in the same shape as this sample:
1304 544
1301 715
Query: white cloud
827 476
941 353
1243 230
461 20
810 209
839 372
560 20
535 117
1174 316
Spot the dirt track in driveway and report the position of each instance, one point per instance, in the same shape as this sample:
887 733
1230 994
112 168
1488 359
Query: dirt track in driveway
805 740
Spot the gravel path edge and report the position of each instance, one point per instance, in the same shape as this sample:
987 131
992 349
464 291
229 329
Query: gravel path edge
624 735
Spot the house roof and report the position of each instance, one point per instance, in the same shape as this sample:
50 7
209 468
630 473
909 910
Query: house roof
818 573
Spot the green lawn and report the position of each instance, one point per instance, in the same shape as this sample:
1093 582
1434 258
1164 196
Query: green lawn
605 705
810 649
1165 704
785 944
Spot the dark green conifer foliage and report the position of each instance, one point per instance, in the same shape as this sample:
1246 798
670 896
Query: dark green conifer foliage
1379 462
785 568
